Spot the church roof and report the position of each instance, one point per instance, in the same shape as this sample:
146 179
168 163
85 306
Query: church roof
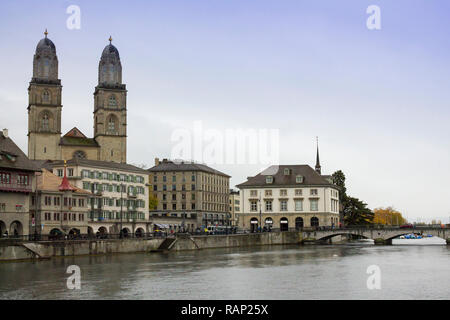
76 140
110 52
11 157
310 177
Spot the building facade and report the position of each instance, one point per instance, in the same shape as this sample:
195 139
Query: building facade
288 197
235 207
17 184
119 200
60 208
190 195
45 111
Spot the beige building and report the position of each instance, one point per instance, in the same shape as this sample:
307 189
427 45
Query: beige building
235 207
59 207
119 198
288 197
17 184
45 111
189 194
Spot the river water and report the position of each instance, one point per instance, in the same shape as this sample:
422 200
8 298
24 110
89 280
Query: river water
276 272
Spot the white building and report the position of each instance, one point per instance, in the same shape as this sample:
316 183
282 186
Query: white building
288 197
120 194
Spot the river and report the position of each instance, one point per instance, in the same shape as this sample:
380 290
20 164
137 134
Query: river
272 272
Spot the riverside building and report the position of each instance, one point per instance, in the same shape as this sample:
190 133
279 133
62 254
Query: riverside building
190 195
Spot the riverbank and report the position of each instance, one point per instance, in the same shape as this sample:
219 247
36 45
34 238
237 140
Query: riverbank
49 249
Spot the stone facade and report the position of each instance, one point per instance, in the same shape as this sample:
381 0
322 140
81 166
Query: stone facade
194 192
45 111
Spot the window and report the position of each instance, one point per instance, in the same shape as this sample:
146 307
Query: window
174 178
60 172
268 193
155 179
193 178
314 204
298 205
174 187
283 205
112 101
286 171
269 179
283 192
174 206
5 178
253 205
193 206
313 192
45 122
22 179
298 192
174 197
299 179
70 172
164 178
111 125
193 187
268 205
253 193
46 96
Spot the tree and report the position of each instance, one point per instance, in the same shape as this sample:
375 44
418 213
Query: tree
352 211
152 202
355 212
388 216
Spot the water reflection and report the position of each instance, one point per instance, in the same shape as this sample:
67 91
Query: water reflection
279 272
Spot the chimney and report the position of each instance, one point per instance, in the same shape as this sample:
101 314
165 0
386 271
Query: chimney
156 161
5 133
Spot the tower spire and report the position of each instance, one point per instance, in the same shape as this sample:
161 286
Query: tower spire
110 39
318 167
46 32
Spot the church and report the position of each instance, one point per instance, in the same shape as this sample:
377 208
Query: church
45 141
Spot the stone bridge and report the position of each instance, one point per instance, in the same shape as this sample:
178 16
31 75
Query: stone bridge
379 235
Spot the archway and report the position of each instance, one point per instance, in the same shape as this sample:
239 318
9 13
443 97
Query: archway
314 222
90 231
284 224
126 232
74 233
2 229
102 233
55 234
253 225
268 224
298 223
15 229
139 233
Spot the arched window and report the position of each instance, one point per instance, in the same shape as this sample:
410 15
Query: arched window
314 222
45 122
46 68
46 96
111 124
112 101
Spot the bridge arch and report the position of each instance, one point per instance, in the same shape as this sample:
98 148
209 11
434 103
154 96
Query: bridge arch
15 229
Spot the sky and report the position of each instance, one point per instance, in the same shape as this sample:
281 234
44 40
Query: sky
377 99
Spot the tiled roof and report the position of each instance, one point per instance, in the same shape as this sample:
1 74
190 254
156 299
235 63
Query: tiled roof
12 157
47 181
169 166
310 177
78 141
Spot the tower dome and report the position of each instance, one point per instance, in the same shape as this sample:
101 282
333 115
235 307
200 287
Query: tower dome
110 68
45 61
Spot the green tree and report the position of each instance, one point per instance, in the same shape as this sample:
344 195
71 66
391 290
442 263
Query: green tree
355 212
152 202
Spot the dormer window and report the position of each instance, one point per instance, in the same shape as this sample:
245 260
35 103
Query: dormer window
299 179
269 179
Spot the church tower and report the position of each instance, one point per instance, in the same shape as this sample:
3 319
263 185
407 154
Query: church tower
44 104
110 107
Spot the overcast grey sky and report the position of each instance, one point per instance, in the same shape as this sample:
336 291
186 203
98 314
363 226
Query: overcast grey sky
377 99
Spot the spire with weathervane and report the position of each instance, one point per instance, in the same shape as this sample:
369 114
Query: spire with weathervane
318 167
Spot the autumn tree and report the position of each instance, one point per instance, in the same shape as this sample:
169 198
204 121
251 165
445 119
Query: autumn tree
152 202
388 216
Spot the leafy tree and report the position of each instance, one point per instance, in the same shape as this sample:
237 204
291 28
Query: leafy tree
352 211
152 202
355 212
388 216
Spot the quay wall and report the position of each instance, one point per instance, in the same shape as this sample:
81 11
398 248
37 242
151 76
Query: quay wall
237 240
48 249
